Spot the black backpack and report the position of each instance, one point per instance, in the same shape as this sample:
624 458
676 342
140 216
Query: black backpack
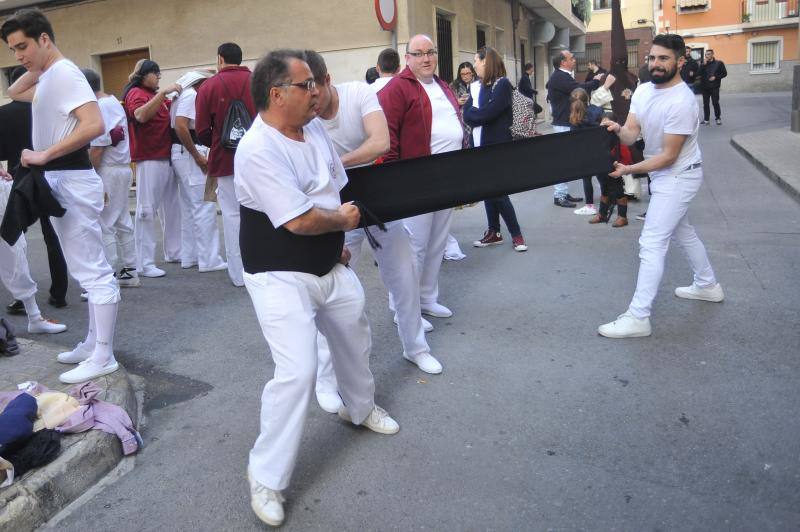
237 121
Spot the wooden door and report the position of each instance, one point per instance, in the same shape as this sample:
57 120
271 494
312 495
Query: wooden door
117 67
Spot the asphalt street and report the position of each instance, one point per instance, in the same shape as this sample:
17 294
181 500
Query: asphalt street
537 423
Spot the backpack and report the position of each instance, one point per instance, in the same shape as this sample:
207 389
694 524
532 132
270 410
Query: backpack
237 121
523 123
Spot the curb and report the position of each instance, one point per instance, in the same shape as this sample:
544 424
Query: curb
766 170
85 459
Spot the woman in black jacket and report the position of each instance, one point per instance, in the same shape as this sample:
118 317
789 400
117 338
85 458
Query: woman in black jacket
491 122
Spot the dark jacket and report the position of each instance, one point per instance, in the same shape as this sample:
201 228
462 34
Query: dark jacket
15 132
559 87
715 69
525 86
409 115
590 75
493 113
30 199
644 74
690 71
592 118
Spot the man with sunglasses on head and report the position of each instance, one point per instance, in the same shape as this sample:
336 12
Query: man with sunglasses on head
287 177
424 118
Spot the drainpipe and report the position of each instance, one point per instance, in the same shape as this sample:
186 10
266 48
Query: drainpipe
514 23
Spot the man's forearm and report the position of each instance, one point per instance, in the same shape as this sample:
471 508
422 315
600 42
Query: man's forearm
144 113
81 136
370 150
24 88
657 162
96 155
182 130
627 136
316 221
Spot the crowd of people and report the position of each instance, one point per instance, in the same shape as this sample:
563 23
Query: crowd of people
272 147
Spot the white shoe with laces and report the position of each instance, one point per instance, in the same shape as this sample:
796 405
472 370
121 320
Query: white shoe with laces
437 310
79 354
713 294
152 271
44 326
88 370
586 210
329 401
426 325
378 420
626 326
426 362
266 503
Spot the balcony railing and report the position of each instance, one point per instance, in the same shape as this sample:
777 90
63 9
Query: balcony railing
768 10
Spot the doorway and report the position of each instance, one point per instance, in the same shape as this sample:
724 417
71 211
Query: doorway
115 69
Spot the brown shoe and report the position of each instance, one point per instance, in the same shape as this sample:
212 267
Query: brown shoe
490 238
620 222
597 219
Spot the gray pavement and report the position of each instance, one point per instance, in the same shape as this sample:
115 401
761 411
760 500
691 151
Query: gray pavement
537 422
776 152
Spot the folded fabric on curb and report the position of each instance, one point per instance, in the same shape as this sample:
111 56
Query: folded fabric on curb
16 423
40 449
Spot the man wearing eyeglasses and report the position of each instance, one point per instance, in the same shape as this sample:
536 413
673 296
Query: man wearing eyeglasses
287 177
424 119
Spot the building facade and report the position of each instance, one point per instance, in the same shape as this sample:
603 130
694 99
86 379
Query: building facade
637 19
756 39
180 35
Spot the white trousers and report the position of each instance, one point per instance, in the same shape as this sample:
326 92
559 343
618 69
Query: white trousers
170 213
80 192
14 270
199 233
667 219
115 219
229 206
291 308
428 233
398 272
560 190
153 178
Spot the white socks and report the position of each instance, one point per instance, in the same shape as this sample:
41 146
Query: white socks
32 309
102 321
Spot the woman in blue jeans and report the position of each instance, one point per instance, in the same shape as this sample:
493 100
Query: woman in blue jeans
490 118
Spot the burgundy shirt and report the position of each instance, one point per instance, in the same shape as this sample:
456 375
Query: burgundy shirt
149 141
211 106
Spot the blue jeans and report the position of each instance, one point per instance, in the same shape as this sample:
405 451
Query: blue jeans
502 206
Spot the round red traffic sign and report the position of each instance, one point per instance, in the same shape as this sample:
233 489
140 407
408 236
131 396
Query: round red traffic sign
386 11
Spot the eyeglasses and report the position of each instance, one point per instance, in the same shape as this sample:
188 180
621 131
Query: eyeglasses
308 85
429 53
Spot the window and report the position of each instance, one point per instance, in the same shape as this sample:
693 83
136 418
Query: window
601 4
765 55
444 42
633 53
593 51
692 6
481 38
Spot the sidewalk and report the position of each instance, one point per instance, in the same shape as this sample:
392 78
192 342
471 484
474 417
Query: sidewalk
776 153
85 457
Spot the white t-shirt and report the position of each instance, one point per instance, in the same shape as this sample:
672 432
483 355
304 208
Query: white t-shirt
113 116
284 178
62 88
446 131
183 106
380 83
475 92
674 111
346 129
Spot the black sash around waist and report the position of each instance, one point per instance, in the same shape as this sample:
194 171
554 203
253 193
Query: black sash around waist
77 160
267 249
173 135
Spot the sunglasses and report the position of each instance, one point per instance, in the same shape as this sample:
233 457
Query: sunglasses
308 85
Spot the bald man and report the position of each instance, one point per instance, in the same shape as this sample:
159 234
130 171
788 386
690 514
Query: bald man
424 118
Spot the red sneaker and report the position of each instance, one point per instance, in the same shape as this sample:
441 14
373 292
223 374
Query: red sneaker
519 243
490 238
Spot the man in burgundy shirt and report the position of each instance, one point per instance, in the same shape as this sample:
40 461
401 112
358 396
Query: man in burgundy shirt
232 82
147 108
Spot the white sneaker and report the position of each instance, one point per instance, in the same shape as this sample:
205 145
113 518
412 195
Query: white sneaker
586 210
152 271
88 370
378 420
436 310
426 325
189 264
84 296
626 326
329 401
79 354
127 277
266 503
45 326
219 267
426 362
713 294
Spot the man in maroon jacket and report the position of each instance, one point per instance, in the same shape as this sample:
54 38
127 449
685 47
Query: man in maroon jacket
424 119
232 82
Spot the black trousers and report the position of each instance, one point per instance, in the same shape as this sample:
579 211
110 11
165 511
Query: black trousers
713 94
55 258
